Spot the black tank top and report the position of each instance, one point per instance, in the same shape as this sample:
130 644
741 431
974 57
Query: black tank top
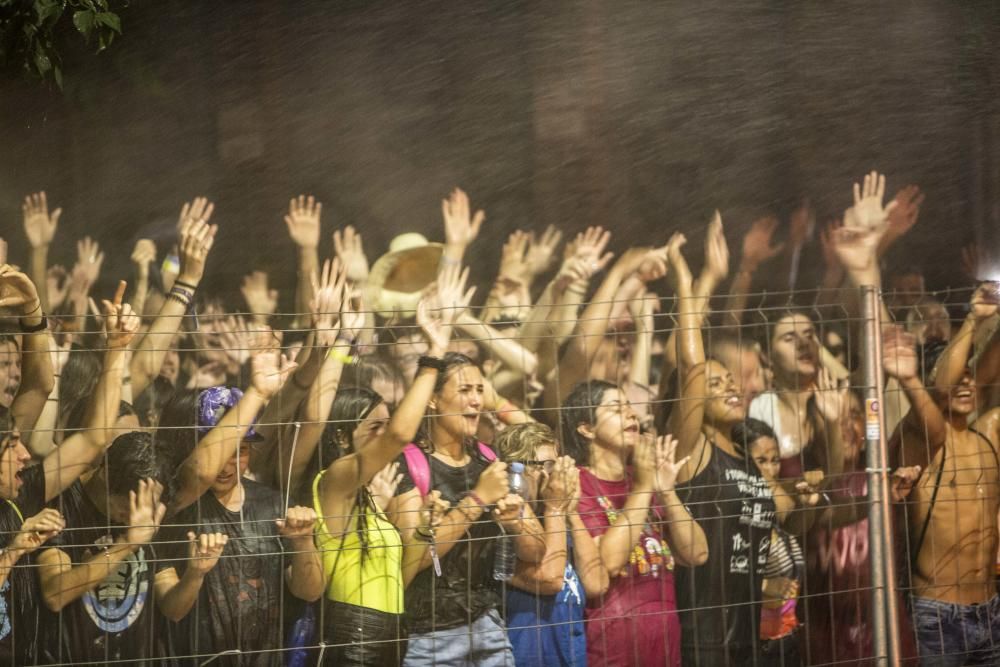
719 601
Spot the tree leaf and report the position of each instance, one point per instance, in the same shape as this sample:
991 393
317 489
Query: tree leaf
84 22
110 20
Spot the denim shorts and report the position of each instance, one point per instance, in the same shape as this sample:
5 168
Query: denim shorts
956 634
482 644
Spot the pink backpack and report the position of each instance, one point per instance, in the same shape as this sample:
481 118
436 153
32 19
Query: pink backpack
420 467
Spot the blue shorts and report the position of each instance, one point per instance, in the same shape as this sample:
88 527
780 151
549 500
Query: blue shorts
957 634
482 644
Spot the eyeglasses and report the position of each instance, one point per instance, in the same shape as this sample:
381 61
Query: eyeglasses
547 466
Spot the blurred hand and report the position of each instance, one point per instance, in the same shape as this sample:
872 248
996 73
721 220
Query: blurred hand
757 244
460 227
348 248
39 225
303 221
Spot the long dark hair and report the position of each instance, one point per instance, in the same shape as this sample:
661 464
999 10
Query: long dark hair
453 361
350 406
580 407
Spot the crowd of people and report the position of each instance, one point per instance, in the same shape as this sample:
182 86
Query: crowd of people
610 462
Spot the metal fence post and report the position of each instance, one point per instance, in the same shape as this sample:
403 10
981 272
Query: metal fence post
885 618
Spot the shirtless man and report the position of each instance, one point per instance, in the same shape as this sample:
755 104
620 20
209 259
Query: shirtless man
953 508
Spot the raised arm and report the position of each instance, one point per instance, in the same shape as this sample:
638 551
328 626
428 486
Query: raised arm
505 348
685 535
196 240
303 221
203 465
78 451
435 316
758 248
688 414
955 358
924 429
18 293
40 228
461 227
143 255
618 540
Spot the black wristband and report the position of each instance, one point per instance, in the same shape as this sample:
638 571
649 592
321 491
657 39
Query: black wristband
187 285
422 536
41 326
436 363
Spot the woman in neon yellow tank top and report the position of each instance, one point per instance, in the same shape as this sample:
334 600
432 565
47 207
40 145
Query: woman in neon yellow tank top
363 554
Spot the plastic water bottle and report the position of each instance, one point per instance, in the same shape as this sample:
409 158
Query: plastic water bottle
506 555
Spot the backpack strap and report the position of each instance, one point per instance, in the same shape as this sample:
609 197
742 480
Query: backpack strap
419 468
487 453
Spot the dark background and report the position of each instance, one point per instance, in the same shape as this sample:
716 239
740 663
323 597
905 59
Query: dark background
639 116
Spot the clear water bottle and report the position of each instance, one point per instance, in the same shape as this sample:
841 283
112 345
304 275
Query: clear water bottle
506 554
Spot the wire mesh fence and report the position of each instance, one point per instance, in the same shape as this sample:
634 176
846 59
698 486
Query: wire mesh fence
810 479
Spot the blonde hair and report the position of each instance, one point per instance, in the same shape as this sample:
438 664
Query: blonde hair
521 441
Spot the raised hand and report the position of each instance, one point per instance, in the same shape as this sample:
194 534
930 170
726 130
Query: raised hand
198 210
903 216
18 292
681 274
560 489
349 250
460 227
36 531
868 212
298 524
541 251
236 340
438 310
39 225
899 354
196 240
303 221
145 512
985 300
329 290
269 372
260 300
89 258
512 257
716 250
205 550
830 398
383 485
666 467
143 255
757 244
971 261
120 323
856 248
827 242
800 224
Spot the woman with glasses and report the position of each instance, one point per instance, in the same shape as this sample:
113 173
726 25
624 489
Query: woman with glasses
545 601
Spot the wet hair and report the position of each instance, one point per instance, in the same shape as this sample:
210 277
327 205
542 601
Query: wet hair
133 457
580 407
177 433
76 420
6 422
150 403
521 441
77 381
745 433
350 406
369 368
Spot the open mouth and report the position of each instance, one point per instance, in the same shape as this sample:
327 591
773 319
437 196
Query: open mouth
734 401
632 428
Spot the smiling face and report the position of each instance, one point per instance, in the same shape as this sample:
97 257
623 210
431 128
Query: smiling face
960 399
724 404
794 349
617 424
10 371
459 402
14 457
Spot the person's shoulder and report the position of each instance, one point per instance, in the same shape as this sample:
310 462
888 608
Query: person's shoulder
988 424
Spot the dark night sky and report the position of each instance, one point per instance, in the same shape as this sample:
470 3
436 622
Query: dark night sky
639 116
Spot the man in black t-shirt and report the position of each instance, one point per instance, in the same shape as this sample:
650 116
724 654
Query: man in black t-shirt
98 577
